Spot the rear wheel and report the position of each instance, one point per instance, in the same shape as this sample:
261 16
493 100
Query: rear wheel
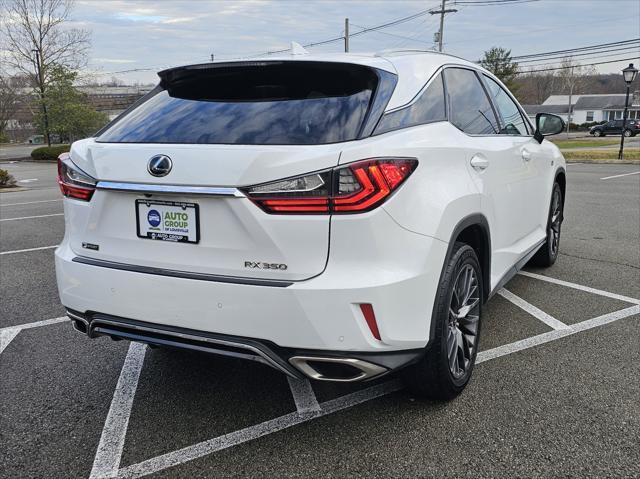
548 253
446 367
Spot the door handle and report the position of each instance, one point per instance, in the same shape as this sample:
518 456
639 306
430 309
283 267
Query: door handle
526 156
479 163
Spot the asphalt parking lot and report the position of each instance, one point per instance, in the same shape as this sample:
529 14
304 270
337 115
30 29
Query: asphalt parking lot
555 394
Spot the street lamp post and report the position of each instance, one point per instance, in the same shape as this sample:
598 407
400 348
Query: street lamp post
629 74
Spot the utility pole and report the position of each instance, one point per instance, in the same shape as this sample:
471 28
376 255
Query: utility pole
442 12
569 111
346 35
45 115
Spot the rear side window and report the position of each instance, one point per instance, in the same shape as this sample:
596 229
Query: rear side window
428 108
512 122
260 103
469 107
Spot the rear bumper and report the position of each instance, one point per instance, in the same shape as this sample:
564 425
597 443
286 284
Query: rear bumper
372 260
319 365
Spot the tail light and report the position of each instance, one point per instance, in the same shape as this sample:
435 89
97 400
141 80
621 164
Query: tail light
353 188
74 183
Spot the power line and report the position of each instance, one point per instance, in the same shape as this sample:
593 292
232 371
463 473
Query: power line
625 49
396 35
576 64
582 65
491 3
590 47
362 32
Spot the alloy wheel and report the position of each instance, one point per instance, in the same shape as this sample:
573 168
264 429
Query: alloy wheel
464 316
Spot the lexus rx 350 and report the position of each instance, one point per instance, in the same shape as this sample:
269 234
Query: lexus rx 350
336 217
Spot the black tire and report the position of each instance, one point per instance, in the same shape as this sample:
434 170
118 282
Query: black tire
548 252
628 133
597 133
433 377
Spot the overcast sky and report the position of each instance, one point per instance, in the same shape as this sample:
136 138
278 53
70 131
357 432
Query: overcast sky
139 34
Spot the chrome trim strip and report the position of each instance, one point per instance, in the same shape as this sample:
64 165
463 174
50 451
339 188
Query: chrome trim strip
368 370
258 355
171 189
218 278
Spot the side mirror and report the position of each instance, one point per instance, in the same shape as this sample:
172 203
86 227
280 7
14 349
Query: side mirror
548 124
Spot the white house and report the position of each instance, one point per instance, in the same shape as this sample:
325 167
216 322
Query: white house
587 108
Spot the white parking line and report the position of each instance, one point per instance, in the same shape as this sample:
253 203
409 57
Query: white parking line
32 217
303 395
30 202
8 333
580 287
620 176
6 336
557 334
253 432
109 453
36 324
532 310
27 250
205 448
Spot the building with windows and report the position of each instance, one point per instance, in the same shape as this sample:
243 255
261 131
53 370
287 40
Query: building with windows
587 108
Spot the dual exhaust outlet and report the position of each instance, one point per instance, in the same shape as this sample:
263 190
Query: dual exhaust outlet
344 370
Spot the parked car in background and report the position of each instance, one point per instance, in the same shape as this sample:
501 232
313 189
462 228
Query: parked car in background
614 127
338 217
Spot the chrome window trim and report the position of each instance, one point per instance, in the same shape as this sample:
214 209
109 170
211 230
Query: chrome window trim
171 189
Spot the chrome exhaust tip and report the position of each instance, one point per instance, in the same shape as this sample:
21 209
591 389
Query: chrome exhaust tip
345 370
79 323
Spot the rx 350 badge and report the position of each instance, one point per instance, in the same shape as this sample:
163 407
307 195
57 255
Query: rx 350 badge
261 265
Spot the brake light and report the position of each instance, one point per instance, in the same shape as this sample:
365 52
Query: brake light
73 182
353 188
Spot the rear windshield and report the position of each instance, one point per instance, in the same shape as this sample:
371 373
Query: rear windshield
252 104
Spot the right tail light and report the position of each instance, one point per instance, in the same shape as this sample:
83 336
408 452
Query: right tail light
353 188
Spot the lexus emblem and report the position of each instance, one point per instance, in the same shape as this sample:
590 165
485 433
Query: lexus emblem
159 165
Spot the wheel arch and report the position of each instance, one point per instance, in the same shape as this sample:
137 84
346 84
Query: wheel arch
473 230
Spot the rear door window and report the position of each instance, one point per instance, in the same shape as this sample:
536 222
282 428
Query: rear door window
469 106
512 122
259 103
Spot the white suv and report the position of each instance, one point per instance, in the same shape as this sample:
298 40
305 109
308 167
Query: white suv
336 217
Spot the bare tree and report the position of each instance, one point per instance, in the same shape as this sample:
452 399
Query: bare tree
9 98
35 39
572 78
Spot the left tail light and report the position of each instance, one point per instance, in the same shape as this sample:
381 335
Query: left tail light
74 183
353 188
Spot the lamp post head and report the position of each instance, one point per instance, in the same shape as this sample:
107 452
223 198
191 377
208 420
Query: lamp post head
629 74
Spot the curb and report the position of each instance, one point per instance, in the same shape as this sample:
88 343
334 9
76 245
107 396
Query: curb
26 159
603 161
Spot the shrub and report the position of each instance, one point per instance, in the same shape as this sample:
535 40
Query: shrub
6 179
49 152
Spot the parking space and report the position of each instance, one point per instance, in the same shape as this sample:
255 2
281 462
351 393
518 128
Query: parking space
555 391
